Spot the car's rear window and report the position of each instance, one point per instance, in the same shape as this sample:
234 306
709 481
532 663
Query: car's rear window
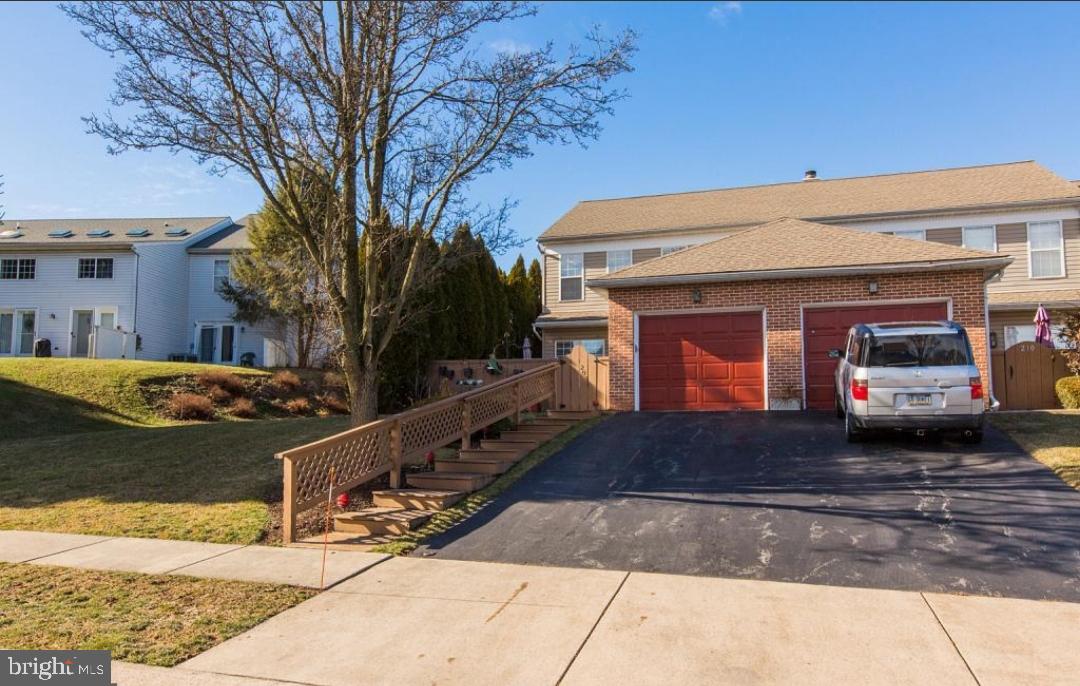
931 350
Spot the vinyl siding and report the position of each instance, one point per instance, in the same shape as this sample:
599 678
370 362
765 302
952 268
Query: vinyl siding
553 335
954 236
206 306
1012 240
162 301
56 290
595 266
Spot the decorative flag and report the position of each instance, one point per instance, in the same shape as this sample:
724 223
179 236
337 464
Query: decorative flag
1043 334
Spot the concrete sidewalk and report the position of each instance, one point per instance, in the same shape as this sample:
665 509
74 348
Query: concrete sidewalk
412 620
293 566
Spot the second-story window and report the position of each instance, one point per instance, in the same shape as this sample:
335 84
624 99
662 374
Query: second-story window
571 277
619 259
980 238
18 269
95 268
1046 250
221 274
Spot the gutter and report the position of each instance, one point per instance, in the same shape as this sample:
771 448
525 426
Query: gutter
571 323
993 263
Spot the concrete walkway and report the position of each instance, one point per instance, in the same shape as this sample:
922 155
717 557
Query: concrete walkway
293 566
414 620
410 621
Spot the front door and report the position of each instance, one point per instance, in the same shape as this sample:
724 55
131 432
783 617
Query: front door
84 324
228 334
207 338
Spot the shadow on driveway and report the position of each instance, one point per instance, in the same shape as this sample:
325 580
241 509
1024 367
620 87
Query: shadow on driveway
782 496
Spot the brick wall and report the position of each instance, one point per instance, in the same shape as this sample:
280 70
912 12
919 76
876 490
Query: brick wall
782 299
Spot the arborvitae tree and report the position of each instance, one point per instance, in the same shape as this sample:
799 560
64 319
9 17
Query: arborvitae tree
523 306
536 283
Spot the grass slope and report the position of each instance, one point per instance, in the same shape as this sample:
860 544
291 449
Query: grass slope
51 396
1051 438
157 620
451 516
200 482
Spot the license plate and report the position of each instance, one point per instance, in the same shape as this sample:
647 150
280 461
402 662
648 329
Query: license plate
919 399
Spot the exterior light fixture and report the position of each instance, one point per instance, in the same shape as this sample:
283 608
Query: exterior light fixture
695 296
872 287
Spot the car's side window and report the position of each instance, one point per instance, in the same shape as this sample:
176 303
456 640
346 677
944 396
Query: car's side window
855 351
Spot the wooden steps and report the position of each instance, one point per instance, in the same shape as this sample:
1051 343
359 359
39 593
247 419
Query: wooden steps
396 512
415 498
377 521
450 481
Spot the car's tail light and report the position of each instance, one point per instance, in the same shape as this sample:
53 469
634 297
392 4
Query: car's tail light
976 388
859 390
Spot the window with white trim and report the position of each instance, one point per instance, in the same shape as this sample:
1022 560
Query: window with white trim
20 269
221 274
916 234
1046 250
980 238
571 277
619 259
95 268
593 346
673 248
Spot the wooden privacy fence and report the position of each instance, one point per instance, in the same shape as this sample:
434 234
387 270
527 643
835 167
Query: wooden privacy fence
366 452
473 371
1025 374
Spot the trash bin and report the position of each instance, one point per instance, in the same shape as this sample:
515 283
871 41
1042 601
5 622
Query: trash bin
42 347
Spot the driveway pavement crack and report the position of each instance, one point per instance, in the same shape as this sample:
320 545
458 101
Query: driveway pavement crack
592 629
949 636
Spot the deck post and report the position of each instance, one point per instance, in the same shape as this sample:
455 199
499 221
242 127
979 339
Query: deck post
395 455
288 518
466 425
517 403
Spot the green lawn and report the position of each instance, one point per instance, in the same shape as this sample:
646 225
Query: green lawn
157 620
204 482
1051 438
52 396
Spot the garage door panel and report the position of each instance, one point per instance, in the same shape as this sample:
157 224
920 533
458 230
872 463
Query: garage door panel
826 328
702 361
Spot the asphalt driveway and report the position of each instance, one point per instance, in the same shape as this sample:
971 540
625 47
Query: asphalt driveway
783 497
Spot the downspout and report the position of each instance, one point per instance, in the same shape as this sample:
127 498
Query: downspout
994 403
135 314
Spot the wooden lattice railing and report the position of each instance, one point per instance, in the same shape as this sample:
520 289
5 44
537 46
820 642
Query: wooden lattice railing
366 452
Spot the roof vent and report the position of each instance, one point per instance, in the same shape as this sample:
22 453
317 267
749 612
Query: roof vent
176 231
137 233
61 233
810 175
99 233
11 233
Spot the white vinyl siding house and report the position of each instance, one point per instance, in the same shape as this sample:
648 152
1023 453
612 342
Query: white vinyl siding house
64 280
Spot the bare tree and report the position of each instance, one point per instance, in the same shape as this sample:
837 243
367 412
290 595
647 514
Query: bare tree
396 104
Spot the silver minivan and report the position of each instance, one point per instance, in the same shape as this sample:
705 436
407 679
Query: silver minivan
918 376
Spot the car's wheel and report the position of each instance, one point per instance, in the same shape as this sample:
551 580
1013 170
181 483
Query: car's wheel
838 405
853 433
974 437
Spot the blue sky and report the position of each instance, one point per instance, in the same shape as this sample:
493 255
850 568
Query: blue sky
724 94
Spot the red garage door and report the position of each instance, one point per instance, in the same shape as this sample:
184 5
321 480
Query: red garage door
701 362
825 328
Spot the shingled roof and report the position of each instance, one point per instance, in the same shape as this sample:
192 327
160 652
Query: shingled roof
1015 183
788 248
66 234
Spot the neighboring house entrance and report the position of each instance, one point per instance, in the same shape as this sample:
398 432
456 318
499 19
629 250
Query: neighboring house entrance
825 329
83 325
217 343
712 361
1024 377
17 331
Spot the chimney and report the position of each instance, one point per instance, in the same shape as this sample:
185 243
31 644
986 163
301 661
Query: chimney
810 175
